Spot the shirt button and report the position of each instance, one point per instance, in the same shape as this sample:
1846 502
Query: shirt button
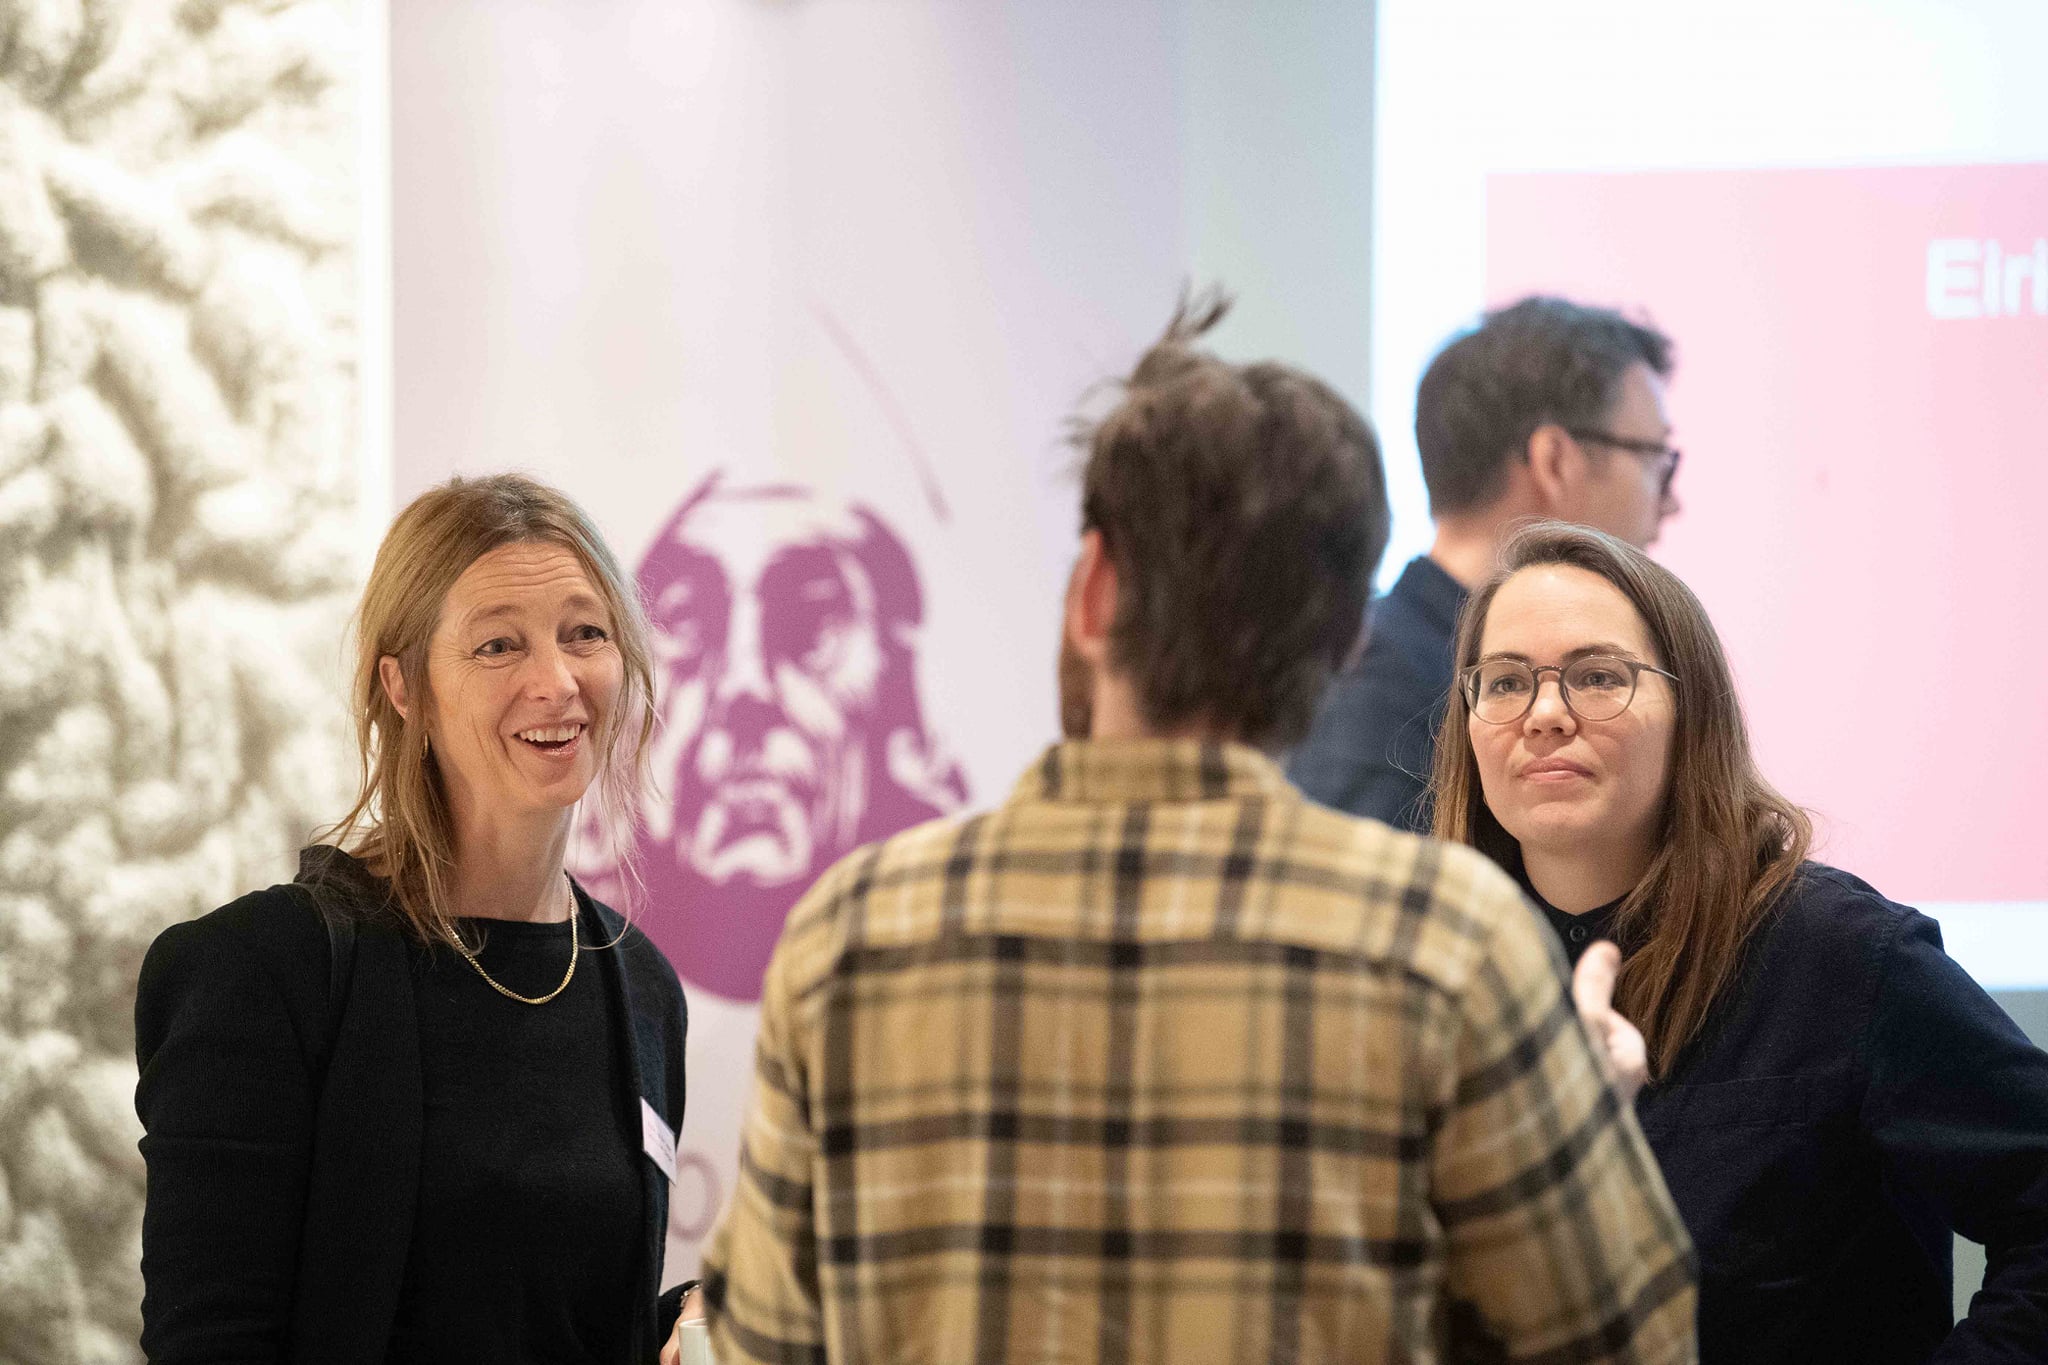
1578 933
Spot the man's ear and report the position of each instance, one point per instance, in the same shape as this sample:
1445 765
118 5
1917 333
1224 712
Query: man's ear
1091 600
393 679
1557 470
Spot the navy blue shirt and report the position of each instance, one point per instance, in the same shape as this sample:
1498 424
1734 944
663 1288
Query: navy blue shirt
1374 737
1855 1098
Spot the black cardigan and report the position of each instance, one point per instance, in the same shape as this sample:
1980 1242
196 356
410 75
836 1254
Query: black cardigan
1855 1097
283 1125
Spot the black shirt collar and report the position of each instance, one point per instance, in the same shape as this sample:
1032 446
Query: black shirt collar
1575 932
340 874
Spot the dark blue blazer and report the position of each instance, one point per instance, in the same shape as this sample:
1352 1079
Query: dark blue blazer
282 1102
1855 1098
1372 743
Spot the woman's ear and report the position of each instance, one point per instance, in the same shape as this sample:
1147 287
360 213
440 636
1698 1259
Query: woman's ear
393 679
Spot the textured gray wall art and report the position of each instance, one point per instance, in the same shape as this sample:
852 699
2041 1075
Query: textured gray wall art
178 435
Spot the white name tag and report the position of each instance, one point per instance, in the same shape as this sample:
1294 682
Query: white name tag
658 1138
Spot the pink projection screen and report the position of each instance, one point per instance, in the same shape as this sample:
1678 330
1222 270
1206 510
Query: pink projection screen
1862 398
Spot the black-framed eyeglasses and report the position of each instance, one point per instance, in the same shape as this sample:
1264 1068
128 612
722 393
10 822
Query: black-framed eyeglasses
1667 456
1594 686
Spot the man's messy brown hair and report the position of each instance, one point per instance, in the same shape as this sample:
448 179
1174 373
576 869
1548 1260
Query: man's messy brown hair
1245 512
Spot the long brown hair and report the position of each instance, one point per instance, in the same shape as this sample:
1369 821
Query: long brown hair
401 821
1729 843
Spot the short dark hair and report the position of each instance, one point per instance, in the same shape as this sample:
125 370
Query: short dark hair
1540 360
1245 511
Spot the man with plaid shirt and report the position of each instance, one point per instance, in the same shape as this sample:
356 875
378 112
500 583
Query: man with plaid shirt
1157 1061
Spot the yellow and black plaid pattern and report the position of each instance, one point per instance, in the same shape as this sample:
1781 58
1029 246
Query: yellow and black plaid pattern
1159 1062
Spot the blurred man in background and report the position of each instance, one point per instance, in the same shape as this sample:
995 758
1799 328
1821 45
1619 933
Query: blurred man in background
1548 409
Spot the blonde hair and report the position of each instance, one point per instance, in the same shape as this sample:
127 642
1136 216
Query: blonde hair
1730 844
401 821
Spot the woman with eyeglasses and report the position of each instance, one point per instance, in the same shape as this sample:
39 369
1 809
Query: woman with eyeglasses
1830 1096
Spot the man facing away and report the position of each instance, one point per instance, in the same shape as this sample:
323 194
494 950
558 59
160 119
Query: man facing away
1547 409
1158 1061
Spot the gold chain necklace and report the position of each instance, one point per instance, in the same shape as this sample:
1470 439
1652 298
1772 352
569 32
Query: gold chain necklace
567 976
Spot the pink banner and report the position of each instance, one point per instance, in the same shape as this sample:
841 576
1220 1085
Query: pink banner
1862 397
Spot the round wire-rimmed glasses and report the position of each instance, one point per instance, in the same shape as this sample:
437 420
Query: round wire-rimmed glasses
1594 686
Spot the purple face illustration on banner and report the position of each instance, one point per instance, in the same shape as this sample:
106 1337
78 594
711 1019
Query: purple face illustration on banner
784 635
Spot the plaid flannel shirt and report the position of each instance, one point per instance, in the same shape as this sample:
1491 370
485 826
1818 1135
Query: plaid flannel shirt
1159 1061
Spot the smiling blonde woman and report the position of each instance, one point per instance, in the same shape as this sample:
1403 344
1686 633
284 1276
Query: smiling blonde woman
420 1104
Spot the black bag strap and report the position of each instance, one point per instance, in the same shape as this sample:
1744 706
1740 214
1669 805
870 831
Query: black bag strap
328 875
341 956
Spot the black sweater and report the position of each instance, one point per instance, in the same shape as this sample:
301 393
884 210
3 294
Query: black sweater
1855 1098
526 1241
286 1125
